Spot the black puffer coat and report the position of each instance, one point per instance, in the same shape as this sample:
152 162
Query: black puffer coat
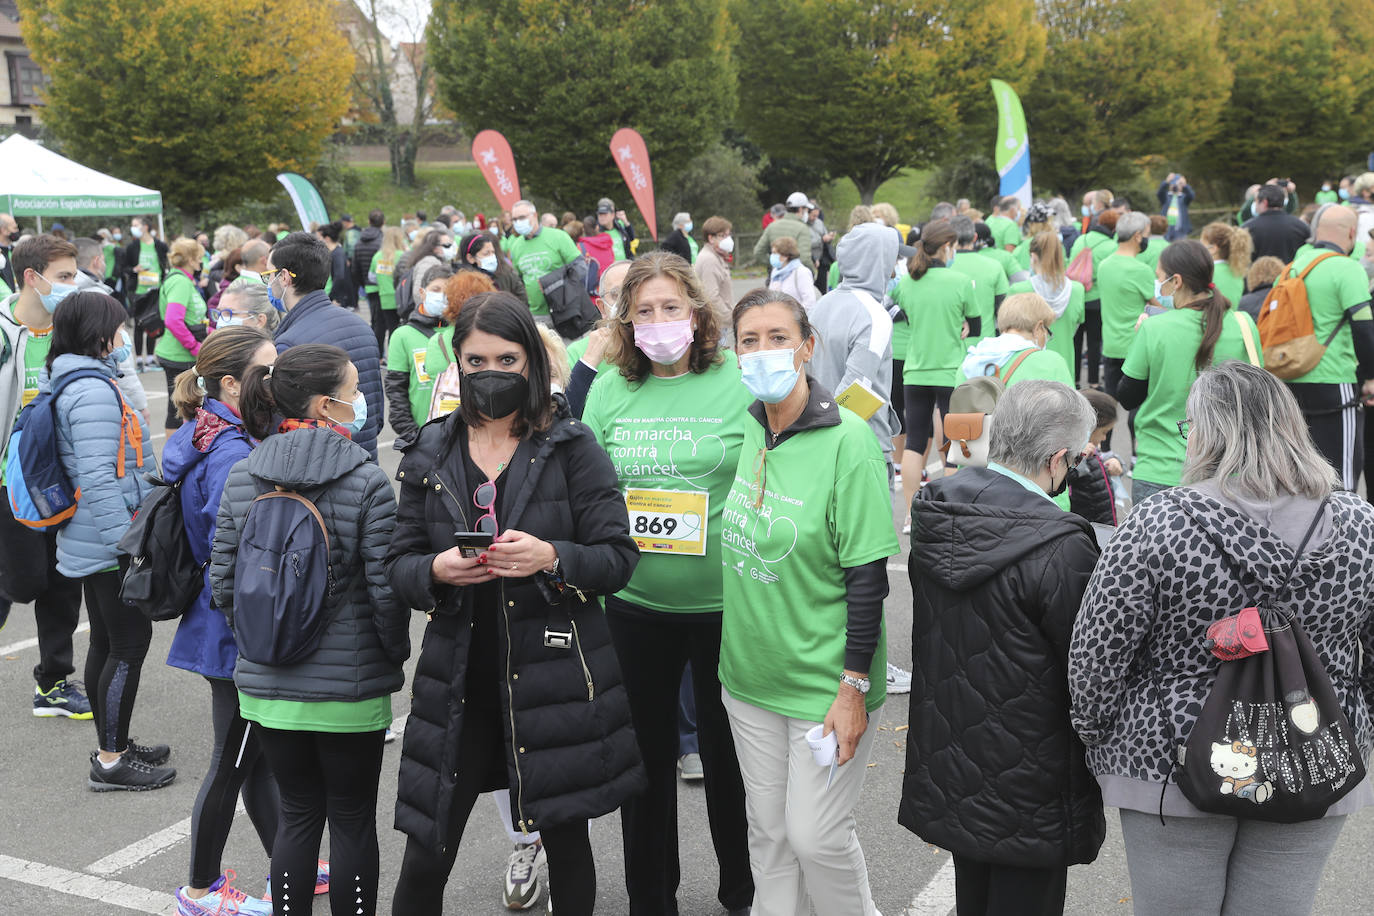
994 770
571 751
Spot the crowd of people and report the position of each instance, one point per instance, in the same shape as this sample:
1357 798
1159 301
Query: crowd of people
658 550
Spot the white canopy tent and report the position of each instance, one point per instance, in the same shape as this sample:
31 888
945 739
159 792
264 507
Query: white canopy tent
35 181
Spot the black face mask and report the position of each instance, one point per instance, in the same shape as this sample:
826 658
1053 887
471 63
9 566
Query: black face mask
1063 484
495 394
14 236
1144 243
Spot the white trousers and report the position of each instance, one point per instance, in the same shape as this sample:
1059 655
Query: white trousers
803 848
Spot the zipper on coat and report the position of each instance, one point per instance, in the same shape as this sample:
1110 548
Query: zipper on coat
510 695
443 487
586 672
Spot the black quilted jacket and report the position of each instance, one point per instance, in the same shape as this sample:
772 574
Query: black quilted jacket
994 770
571 752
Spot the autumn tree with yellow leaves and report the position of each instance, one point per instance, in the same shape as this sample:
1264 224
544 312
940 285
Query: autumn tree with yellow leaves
205 100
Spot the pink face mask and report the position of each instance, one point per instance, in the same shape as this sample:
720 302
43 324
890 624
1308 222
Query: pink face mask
664 342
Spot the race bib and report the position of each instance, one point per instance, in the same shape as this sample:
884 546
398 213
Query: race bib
668 521
148 277
418 357
384 268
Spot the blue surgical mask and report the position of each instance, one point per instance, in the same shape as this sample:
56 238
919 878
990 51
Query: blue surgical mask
55 294
1166 301
119 236
273 298
1344 193
775 260
136 232
230 321
687 228
359 405
488 263
770 375
434 305
120 353
521 227
1085 210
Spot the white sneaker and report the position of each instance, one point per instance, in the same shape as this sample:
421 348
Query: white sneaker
522 876
898 681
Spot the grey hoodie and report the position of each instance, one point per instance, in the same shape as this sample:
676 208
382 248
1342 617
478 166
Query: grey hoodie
854 332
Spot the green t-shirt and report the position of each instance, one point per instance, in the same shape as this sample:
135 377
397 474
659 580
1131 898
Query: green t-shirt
108 249
438 355
1333 286
1004 232
178 287
407 352
825 508
1152 252
338 716
35 359
1102 247
935 306
386 286
1066 325
1045 365
1326 197
1227 283
149 269
1022 254
989 282
1010 266
675 445
1162 355
577 349
832 279
693 248
534 257
1125 285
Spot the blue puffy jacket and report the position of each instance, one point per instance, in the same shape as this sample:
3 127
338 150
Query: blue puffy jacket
199 456
89 412
316 320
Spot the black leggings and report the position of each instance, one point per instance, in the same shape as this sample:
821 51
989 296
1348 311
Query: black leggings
1337 430
384 321
172 370
424 872
114 659
235 763
653 648
325 776
921 403
1090 333
898 396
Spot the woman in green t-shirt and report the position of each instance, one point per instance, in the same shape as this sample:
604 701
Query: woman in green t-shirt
805 543
185 316
1230 247
672 419
1166 355
939 308
380 274
1063 295
408 385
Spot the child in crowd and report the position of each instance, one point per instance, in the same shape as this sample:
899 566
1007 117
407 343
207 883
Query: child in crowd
1096 491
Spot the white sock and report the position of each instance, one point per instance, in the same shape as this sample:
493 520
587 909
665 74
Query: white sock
107 766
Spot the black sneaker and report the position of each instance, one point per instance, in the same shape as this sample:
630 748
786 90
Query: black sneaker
153 755
128 775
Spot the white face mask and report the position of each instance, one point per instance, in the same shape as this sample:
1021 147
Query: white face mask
727 244
435 303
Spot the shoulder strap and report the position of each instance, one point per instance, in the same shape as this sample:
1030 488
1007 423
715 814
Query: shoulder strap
1302 545
281 493
1315 261
1250 353
1015 364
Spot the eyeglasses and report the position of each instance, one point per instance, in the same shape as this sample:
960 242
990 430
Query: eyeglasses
484 497
760 478
269 275
1183 426
217 315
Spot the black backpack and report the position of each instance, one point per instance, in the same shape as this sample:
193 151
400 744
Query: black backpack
163 579
404 303
283 581
567 291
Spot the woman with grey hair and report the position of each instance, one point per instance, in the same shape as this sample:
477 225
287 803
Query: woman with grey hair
994 772
680 241
244 302
1140 670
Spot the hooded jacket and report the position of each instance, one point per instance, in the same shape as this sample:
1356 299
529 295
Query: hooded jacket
315 319
89 413
360 652
1181 561
994 770
570 750
854 330
199 456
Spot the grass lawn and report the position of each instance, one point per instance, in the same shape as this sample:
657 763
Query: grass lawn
906 192
460 185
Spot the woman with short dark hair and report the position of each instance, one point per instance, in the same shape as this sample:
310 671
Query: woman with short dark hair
510 530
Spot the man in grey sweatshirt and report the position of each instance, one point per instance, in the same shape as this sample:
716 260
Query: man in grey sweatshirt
854 331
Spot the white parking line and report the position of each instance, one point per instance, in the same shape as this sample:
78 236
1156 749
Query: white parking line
937 897
23 644
114 893
143 850
896 567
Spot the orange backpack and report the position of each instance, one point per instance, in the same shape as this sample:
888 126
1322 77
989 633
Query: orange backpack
1289 339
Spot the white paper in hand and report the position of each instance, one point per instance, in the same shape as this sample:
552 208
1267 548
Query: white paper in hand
825 750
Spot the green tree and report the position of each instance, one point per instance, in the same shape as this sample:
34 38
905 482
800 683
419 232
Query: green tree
1301 92
559 77
866 88
1123 79
380 66
205 100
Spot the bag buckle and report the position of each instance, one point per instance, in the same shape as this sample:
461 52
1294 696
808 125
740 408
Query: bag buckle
1238 636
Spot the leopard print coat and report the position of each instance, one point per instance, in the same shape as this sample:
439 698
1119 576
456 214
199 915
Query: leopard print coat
1181 562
